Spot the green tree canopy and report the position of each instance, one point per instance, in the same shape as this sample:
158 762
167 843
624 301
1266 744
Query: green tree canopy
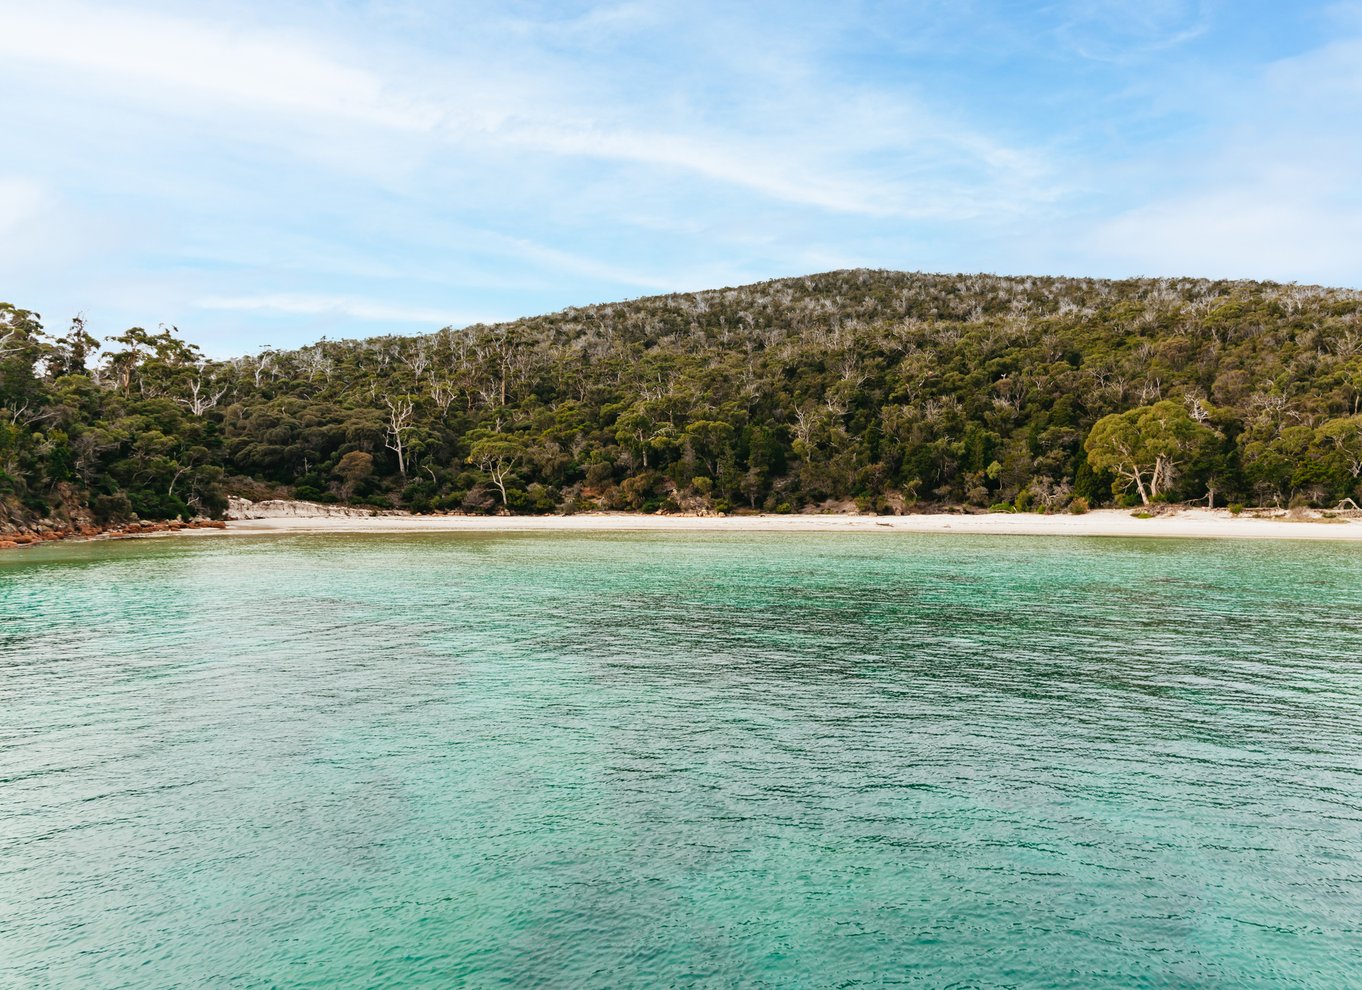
1147 446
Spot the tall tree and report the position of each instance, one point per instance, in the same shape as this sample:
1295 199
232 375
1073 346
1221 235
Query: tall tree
1147 446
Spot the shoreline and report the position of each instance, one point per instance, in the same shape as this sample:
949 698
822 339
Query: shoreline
1185 524
295 519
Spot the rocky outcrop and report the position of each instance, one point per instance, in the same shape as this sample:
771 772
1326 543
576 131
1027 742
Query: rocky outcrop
244 508
14 540
15 534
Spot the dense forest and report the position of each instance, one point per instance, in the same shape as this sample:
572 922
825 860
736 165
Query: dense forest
882 391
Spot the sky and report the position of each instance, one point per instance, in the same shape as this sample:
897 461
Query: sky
268 173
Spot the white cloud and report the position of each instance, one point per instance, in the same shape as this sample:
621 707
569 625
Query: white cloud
1250 231
187 61
349 306
566 261
808 152
1125 30
1280 219
1272 193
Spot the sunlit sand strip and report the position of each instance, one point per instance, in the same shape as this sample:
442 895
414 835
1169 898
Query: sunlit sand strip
1196 523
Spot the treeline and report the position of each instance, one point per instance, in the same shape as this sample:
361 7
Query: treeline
881 390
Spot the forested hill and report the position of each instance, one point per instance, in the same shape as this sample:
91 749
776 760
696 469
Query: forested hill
882 389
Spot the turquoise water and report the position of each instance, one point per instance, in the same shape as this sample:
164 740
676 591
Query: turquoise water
680 760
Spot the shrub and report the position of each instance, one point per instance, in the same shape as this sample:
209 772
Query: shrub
540 499
419 496
600 473
1079 506
450 502
1236 508
156 505
111 508
480 499
640 492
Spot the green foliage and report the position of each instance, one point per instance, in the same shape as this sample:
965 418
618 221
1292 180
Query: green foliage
880 389
1148 446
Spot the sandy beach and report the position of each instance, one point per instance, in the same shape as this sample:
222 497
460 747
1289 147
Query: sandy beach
1189 523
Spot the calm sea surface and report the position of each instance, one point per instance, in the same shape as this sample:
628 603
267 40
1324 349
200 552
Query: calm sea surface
680 760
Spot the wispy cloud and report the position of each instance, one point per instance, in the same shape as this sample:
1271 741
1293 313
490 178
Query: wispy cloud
1271 191
369 166
1128 30
186 61
364 309
180 63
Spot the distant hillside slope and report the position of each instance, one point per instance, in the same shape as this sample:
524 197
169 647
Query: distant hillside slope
885 389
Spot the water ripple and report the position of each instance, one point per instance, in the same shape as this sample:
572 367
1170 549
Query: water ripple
676 760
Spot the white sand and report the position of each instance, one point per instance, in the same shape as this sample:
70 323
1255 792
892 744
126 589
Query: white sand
1202 523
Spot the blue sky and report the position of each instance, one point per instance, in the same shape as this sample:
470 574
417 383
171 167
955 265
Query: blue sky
268 173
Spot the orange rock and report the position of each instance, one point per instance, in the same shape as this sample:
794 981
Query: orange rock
7 544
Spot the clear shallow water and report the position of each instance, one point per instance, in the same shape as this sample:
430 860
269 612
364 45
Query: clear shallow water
675 760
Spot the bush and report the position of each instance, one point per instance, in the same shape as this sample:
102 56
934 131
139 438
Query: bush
450 502
1002 507
480 500
1236 508
540 498
111 508
419 496
1079 506
600 473
640 492
156 505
